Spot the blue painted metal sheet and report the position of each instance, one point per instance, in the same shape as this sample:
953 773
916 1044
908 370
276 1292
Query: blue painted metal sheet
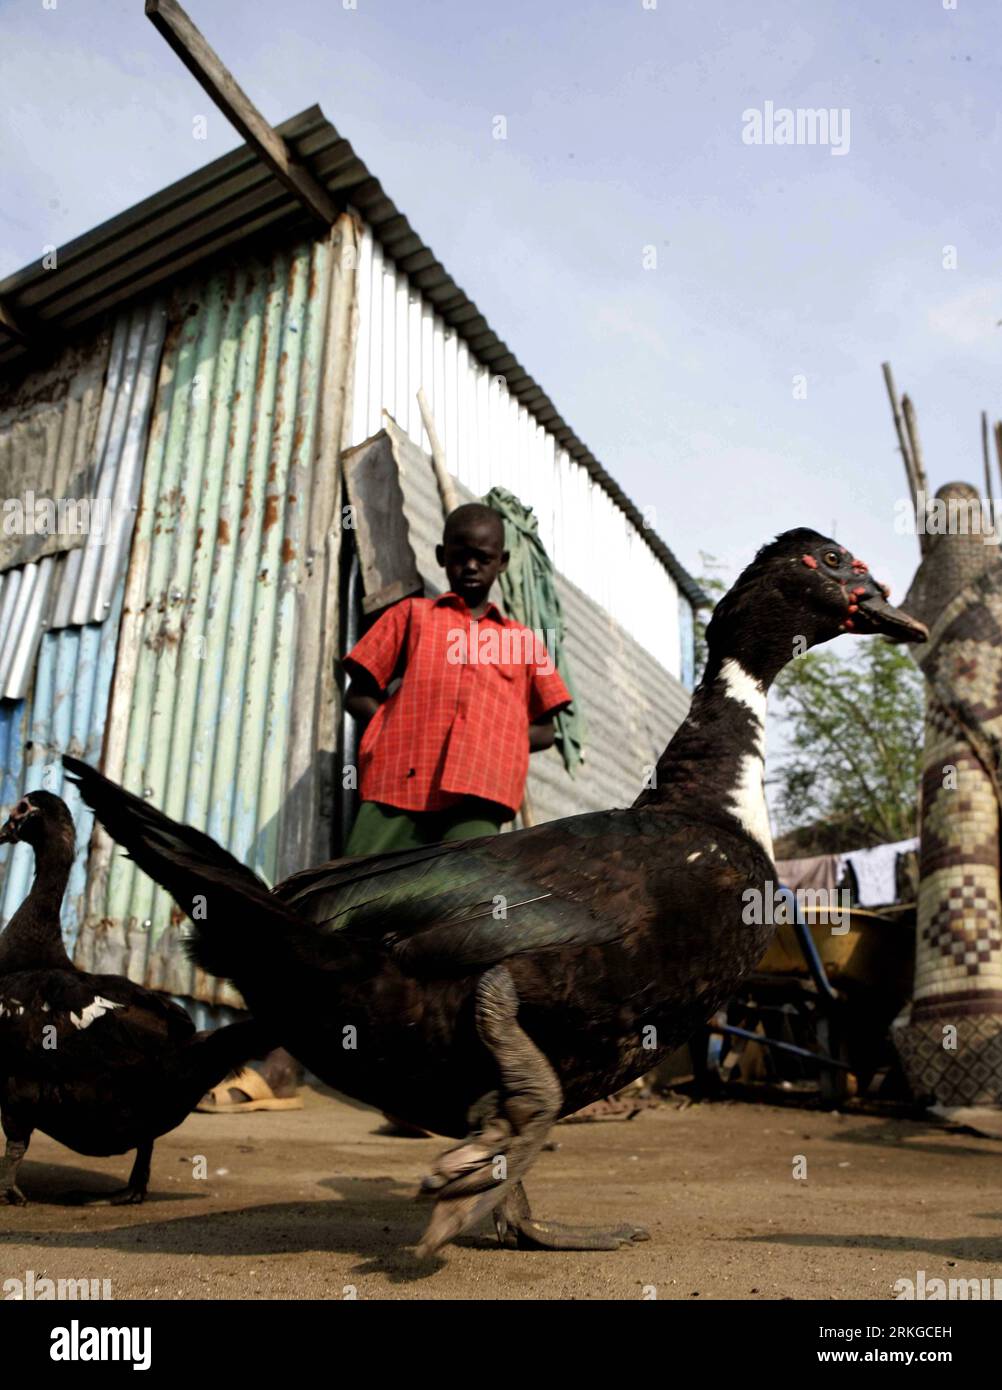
65 713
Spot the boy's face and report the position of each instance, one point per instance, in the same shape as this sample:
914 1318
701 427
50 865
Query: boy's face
473 556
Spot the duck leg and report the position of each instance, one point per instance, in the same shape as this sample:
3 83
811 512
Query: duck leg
484 1172
517 1230
469 1179
17 1146
134 1191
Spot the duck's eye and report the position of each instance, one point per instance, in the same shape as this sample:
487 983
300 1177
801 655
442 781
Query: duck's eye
832 559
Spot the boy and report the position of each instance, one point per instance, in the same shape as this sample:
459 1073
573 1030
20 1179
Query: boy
445 757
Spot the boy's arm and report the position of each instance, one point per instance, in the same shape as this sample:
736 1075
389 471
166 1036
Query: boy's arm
375 660
547 696
541 734
363 696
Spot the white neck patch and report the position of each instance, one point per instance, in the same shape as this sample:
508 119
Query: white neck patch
746 801
739 685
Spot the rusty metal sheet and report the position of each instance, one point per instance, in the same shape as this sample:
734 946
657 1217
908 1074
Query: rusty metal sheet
221 567
78 587
48 426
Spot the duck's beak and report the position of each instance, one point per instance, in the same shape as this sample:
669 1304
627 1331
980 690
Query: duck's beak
875 614
8 832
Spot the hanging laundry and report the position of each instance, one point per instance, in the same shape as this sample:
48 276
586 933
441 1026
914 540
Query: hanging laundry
875 871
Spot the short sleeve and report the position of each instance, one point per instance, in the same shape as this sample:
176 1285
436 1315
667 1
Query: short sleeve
379 650
547 692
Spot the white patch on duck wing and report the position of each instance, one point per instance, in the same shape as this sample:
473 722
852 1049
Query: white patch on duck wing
94 1010
747 798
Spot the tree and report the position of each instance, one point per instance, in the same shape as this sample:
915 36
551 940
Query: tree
852 737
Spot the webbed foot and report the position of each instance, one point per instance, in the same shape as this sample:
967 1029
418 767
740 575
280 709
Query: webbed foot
518 1230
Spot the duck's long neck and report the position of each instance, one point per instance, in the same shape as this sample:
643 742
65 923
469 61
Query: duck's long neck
714 767
32 938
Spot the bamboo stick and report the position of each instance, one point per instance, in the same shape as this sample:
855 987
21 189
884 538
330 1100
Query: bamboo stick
911 428
986 460
917 464
446 487
899 427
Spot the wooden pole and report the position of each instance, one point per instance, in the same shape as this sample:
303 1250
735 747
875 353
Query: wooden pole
206 67
446 487
917 464
998 447
911 429
986 455
899 426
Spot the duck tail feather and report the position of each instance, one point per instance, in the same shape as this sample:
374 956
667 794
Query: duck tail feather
233 913
217 1056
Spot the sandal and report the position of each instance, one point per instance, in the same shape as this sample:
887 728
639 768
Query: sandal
259 1095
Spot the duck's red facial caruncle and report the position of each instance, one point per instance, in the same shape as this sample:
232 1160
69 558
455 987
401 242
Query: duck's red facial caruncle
861 599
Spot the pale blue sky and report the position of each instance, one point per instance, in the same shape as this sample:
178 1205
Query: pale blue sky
624 131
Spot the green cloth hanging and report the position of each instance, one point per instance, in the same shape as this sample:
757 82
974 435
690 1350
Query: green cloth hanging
529 591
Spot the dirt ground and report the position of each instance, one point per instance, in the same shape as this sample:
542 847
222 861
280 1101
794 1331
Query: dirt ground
317 1203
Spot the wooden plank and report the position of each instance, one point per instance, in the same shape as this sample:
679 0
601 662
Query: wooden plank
204 64
10 325
385 554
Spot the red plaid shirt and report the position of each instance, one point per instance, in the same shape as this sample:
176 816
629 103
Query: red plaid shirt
459 723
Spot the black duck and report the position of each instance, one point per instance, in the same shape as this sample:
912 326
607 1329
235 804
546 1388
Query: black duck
98 1063
485 988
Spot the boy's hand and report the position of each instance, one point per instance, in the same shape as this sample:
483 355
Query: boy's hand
542 734
363 697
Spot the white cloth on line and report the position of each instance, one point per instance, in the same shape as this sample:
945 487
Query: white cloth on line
876 871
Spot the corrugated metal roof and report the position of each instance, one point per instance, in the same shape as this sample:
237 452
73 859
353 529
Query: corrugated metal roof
236 197
77 587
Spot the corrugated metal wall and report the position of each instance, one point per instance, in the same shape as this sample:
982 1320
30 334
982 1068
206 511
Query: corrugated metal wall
60 649
490 440
631 704
65 714
202 706
79 585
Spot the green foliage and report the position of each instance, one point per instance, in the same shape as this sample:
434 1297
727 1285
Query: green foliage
852 739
